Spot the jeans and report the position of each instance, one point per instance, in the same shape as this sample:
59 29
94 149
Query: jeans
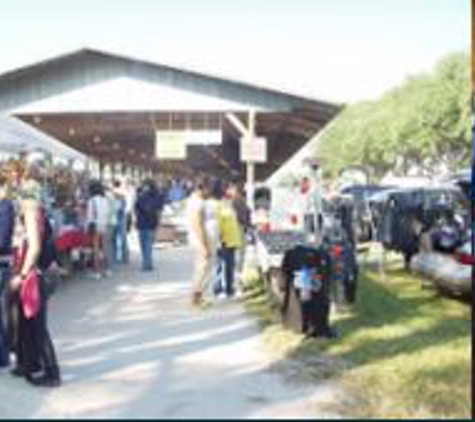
147 239
120 247
5 274
225 280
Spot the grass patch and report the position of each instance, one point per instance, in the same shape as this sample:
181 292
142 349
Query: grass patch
406 351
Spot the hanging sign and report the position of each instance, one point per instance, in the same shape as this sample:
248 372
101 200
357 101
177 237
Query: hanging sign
203 137
253 150
170 145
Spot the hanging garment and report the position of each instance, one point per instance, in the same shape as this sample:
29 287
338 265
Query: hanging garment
309 314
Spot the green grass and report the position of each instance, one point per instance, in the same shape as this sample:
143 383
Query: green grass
405 352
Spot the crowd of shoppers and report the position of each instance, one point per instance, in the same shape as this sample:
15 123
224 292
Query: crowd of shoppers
29 219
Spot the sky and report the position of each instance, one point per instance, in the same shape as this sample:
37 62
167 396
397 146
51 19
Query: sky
338 50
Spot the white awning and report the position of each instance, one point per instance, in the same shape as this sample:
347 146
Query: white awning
17 136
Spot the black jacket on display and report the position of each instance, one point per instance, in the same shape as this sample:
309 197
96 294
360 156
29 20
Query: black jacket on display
312 316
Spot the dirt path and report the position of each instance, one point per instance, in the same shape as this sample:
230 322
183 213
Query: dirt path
131 347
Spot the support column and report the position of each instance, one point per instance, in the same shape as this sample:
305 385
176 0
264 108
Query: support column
251 167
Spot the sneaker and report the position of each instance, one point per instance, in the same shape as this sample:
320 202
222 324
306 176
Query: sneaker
221 297
43 380
18 372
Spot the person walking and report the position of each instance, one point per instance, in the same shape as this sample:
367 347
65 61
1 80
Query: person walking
98 218
35 354
148 208
202 237
7 225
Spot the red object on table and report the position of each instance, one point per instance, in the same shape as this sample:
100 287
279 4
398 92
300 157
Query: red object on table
266 228
72 239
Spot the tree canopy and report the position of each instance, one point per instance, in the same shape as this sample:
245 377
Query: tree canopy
423 123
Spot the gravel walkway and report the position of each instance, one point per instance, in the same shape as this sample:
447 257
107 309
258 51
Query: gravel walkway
131 346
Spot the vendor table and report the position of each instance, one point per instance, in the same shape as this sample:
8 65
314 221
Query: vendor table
72 239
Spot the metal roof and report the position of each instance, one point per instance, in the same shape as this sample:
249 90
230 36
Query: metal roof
287 121
86 67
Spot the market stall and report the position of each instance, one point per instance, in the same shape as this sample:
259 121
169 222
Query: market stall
63 176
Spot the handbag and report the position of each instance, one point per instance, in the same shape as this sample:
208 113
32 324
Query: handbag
30 294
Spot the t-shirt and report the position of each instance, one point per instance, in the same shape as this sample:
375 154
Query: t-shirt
112 210
231 231
130 198
98 212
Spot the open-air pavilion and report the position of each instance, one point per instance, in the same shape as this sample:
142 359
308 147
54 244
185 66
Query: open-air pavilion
126 139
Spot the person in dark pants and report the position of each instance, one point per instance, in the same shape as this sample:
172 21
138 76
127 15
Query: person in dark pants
7 224
148 208
35 355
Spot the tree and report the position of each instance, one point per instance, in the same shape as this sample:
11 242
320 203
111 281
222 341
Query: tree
421 124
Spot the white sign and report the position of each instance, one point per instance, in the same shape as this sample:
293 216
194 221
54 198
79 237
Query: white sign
170 145
253 150
203 137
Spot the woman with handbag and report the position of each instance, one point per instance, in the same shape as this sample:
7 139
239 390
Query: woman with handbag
35 354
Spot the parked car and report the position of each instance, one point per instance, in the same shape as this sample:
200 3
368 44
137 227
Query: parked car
362 213
463 180
402 215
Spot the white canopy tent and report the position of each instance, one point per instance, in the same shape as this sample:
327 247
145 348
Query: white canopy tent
17 137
